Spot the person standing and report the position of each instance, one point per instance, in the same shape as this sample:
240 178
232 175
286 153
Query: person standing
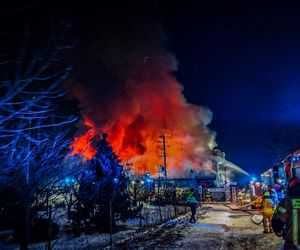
267 211
192 201
200 193
257 202
240 198
286 218
207 197
247 198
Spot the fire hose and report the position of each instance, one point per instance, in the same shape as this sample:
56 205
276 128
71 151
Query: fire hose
245 211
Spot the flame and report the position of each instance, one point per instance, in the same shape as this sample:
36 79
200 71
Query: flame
144 102
135 131
82 144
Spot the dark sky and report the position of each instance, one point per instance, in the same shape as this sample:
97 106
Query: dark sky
241 61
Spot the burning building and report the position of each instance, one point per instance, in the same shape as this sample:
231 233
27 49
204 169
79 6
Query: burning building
126 86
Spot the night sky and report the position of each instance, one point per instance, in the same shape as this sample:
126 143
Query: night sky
241 61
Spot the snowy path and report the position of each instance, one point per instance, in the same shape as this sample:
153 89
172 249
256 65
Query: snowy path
219 228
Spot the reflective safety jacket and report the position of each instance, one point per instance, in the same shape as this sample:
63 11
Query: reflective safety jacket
247 198
258 202
240 195
191 198
268 207
287 215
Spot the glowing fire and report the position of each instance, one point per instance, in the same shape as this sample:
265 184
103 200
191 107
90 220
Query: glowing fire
82 144
134 133
143 103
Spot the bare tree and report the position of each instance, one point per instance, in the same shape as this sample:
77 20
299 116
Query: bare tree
136 190
35 134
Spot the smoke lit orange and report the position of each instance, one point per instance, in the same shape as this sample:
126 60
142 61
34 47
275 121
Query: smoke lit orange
148 104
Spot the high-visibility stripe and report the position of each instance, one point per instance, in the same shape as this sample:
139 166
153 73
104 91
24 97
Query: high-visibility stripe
295 227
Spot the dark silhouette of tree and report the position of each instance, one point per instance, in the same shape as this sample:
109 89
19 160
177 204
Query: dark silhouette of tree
102 196
136 190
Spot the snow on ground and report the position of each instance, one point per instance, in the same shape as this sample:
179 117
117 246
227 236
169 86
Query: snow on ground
151 217
219 228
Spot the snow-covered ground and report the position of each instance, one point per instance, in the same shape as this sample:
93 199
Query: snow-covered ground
219 228
151 217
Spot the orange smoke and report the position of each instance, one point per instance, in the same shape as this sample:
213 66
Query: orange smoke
151 105
133 96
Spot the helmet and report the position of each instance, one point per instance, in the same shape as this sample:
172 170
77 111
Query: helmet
294 187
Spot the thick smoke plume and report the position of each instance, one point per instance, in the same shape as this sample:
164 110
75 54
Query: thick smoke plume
126 88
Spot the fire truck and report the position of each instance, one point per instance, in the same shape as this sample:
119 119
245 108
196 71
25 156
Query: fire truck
280 174
291 165
295 164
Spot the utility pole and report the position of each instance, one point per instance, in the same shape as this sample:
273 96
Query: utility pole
165 158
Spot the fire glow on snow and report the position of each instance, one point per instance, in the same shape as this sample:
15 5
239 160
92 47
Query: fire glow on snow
139 101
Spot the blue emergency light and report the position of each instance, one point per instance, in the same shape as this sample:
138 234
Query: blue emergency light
253 178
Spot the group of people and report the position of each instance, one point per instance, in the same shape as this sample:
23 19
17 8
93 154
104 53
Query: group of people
281 216
243 198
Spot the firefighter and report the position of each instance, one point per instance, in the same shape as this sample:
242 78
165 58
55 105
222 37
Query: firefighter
240 198
247 198
192 201
267 211
178 192
286 219
258 202
207 197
